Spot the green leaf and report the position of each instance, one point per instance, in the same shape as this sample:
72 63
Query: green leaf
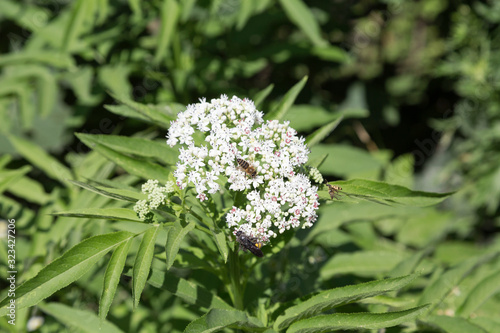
65 269
142 262
361 263
486 288
41 159
101 213
322 132
176 234
329 299
330 53
301 16
29 190
221 242
143 169
217 319
112 278
81 320
409 264
188 291
114 193
136 146
75 24
347 161
159 115
351 321
169 17
128 112
279 112
262 95
8 177
454 324
390 194
438 290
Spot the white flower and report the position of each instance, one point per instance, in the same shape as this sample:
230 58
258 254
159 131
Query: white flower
157 196
278 196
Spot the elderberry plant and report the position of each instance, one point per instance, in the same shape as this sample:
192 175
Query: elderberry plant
278 198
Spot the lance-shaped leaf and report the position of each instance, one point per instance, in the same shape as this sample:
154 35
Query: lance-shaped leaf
175 236
339 296
143 169
262 95
114 193
435 292
217 319
65 269
453 324
351 321
142 262
189 292
300 14
281 109
41 159
7 177
124 214
221 242
157 114
135 146
82 320
486 288
322 132
169 16
112 277
390 194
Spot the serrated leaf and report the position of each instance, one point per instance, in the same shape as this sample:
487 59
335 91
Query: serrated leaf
322 132
115 193
143 169
81 320
169 17
41 159
329 299
485 289
300 15
112 278
221 242
454 324
65 269
217 319
175 236
190 292
128 112
279 112
136 146
142 262
102 213
390 194
350 321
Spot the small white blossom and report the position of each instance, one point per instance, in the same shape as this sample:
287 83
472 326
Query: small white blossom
277 197
157 196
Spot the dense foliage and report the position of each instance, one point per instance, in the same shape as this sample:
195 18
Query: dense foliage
398 101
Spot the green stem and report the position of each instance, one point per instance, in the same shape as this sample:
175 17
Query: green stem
234 274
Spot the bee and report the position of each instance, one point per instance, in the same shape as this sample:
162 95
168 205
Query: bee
246 167
249 243
333 190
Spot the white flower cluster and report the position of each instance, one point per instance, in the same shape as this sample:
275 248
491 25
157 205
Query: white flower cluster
277 196
156 196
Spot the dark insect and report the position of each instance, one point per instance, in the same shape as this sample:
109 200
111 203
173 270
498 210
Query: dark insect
246 167
249 243
333 190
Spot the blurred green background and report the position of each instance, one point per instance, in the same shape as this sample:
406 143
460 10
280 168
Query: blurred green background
417 82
